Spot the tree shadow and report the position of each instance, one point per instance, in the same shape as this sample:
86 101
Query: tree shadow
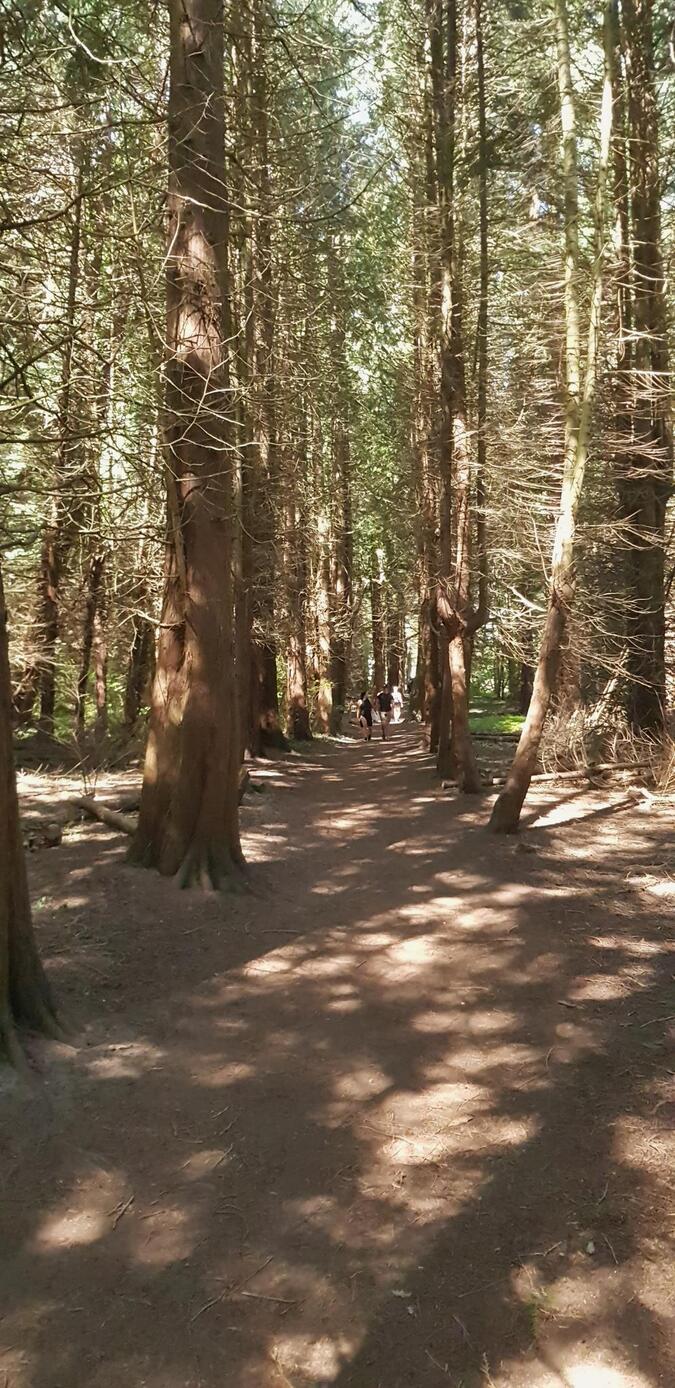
402 1121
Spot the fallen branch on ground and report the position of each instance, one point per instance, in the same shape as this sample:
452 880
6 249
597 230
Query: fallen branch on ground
112 818
583 772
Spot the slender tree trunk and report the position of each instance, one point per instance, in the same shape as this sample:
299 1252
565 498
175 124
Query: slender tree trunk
453 601
395 620
141 658
426 305
188 823
93 587
55 540
506 813
378 623
324 698
341 490
139 670
264 713
25 998
341 614
295 569
100 654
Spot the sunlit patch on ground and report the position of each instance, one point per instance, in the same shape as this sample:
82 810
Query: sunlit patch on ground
401 1116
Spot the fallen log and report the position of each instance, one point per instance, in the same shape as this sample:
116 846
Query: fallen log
115 820
112 818
495 737
583 772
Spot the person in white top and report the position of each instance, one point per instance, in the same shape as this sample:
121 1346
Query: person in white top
397 700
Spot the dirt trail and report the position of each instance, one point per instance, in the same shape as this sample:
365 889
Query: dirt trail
402 1117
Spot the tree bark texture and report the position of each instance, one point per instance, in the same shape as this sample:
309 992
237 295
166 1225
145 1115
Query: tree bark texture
188 823
25 998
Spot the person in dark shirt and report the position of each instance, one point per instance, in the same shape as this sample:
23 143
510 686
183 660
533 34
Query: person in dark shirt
384 704
365 717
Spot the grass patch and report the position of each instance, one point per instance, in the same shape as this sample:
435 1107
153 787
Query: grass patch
495 720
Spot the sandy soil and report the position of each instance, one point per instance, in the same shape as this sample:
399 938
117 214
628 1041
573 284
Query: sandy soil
402 1115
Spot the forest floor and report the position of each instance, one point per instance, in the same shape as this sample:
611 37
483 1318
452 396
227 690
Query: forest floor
402 1115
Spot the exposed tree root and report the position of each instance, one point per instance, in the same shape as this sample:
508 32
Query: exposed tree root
211 868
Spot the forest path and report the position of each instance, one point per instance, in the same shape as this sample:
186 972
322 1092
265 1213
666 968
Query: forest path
401 1117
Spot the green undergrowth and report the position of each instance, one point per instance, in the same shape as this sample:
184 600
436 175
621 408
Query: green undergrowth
494 718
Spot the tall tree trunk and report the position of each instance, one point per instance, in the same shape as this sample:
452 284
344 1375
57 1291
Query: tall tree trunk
264 712
426 307
139 668
92 601
453 599
341 614
377 605
141 658
188 823
295 569
56 537
395 634
648 478
324 697
578 409
341 492
25 998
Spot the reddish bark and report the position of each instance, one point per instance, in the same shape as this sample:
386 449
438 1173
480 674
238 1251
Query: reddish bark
188 823
25 998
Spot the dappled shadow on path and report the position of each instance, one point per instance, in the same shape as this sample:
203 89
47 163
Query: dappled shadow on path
400 1117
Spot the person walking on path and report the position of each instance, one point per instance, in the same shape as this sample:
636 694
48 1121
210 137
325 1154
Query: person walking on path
384 704
397 701
365 717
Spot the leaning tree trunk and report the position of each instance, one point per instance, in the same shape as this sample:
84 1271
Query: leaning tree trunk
25 999
506 813
188 823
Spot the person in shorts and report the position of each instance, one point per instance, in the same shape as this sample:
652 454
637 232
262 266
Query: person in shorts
365 717
384 704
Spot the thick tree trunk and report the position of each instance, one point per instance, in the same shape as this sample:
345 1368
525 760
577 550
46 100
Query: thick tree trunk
188 823
25 998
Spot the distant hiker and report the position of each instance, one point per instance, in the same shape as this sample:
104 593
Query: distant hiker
397 700
384 704
365 717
